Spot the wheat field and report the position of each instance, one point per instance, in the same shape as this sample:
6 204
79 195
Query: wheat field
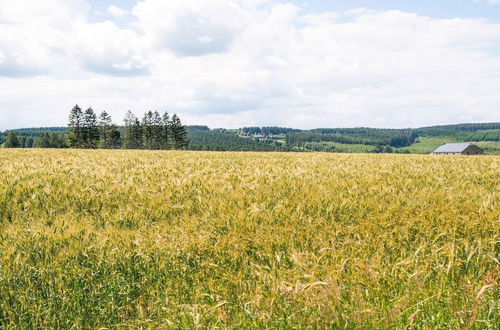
144 239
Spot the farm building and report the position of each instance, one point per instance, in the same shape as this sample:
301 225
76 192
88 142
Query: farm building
458 149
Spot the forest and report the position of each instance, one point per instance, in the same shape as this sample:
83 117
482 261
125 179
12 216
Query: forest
224 140
87 130
156 131
369 136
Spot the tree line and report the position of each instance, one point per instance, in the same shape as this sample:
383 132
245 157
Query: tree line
223 140
375 137
13 141
87 130
156 131
268 130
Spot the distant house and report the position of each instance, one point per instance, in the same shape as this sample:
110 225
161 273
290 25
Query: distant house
458 149
254 137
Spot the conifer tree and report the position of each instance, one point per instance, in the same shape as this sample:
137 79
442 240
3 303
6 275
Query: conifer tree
22 141
115 137
157 131
166 131
75 124
147 130
106 128
44 141
132 137
12 141
137 134
29 142
132 134
90 129
178 133
51 140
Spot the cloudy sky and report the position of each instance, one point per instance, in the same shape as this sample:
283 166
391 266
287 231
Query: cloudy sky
234 63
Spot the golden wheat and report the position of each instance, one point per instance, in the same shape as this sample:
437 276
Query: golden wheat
193 239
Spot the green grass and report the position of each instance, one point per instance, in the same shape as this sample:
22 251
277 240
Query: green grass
426 145
490 147
339 147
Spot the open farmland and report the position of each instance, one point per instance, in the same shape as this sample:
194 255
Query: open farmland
186 239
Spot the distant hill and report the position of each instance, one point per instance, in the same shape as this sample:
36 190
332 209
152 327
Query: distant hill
351 140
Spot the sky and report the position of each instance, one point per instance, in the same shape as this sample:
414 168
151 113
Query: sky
235 63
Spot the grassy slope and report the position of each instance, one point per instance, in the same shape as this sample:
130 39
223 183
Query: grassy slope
240 240
426 145
490 147
340 147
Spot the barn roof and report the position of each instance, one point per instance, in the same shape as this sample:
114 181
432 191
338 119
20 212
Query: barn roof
453 147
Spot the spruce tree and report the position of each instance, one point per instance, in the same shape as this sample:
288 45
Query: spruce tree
51 140
178 133
137 134
128 131
105 131
75 125
115 137
157 131
44 141
22 141
132 133
29 142
90 129
12 141
147 130
166 131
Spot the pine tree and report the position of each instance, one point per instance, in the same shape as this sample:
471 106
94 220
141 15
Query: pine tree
129 141
75 124
44 141
51 140
105 131
178 133
147 130
137 134
29 142
12 141
157 131
115 137
22 141
90 129
166 131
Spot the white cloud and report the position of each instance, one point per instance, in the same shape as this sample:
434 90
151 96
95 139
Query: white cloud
105 48
193 28
36 39
247 62
117 12
491 2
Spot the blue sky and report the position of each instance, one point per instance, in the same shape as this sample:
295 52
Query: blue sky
433 8
233 63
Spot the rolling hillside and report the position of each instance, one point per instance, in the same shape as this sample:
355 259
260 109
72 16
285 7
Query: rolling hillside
338 140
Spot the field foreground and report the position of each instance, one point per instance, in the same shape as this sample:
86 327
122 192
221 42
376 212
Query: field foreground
187 239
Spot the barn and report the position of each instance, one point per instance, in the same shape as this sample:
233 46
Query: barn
458 149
